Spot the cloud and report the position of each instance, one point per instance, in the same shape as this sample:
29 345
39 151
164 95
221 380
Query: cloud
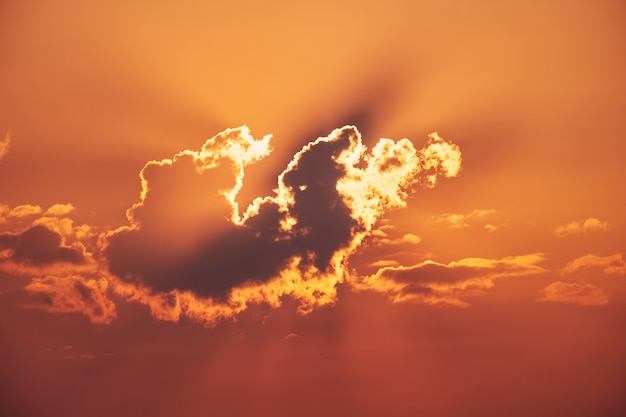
24 210
4 213
612 264
383 263
57 258
410 238
190 250
491 227
70 294
4 145
379 236
590 224
292 336
435 283
38 246
439 158
24 213
59 210
570 292
457 221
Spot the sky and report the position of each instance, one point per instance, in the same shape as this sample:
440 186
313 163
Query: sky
402 208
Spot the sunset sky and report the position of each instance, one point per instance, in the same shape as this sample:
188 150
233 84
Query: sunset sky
329 208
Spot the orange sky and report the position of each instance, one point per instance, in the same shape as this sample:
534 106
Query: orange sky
139 275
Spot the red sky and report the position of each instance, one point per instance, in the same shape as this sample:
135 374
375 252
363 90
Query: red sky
157 259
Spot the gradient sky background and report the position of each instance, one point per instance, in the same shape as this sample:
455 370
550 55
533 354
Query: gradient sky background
500 291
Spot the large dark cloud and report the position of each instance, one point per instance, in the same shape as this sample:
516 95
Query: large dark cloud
212 268
190 249
226 255
325 223
38 246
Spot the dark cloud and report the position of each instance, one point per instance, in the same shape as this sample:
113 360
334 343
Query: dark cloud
235 256
190 250
324 222
226 255
38 246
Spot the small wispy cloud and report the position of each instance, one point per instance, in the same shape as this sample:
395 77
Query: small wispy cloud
573 292
435 283
4 145
462 220
590 224
380 236
292 336
612 264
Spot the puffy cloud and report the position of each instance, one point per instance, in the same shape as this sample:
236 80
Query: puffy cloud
411 238
439 158
612 264
69 294
436 283
390 168
571 292
190 250
59 209
590 224
4 145
24 210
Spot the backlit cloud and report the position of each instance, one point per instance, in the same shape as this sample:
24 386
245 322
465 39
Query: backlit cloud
190 250
590 224
447 284
571 292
